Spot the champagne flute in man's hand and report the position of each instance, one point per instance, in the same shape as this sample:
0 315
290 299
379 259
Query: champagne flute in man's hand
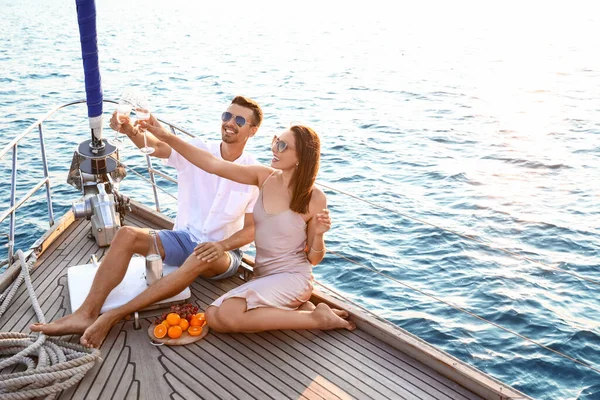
123 109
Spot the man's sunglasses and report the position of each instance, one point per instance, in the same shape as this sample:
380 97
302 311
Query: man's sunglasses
239 120
279 145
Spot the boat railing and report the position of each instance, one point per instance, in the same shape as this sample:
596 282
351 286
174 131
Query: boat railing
13 148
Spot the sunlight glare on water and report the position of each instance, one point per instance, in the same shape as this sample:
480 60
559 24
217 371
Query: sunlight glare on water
479 118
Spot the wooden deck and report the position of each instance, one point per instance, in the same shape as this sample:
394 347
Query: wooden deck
273 365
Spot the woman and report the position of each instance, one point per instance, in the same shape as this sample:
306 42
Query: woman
290 218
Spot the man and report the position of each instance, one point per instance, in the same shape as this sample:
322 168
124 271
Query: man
214 220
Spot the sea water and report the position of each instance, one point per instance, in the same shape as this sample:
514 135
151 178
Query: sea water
471 128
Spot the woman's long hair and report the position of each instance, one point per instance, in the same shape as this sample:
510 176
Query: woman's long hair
308 150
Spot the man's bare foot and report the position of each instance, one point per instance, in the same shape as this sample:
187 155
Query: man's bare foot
329 319
94 335
76 323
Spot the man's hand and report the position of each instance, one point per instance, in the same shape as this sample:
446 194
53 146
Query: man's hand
323 222
209 251
122 124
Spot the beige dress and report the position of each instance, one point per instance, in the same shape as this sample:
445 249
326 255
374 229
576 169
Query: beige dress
282 272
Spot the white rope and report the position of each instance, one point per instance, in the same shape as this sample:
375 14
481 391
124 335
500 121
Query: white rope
52 365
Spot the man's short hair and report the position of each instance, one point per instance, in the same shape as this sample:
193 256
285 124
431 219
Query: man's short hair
251 104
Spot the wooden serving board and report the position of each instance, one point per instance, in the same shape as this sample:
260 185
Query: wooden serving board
185 338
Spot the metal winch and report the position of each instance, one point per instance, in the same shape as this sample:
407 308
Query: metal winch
97 175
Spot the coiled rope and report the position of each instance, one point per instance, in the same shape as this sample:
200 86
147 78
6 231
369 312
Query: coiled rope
52 365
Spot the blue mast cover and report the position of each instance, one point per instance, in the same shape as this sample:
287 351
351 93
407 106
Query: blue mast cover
86 17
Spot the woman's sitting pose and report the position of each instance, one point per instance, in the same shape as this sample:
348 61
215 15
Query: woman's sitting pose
291 218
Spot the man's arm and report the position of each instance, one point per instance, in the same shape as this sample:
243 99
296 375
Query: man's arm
210 251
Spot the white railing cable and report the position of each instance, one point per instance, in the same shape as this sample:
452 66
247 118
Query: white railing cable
582 363
144 178
463 235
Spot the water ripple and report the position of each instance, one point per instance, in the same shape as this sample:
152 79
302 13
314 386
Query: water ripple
456 131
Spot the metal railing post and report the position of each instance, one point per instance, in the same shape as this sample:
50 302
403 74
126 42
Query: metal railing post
48 193
13 191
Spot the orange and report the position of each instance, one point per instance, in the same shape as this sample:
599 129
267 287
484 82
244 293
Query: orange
175 332
196 322
173 319
195 330
160 331
200 315
184 324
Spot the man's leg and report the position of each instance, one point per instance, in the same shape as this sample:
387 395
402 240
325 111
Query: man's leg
166 287
127 241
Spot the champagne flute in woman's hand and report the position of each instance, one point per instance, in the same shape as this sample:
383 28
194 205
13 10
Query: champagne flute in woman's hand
123 109
142 111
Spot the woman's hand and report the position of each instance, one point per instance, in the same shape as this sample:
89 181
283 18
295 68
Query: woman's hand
323 222
209 251
155 128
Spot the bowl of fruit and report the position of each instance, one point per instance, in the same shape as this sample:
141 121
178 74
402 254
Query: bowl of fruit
182 324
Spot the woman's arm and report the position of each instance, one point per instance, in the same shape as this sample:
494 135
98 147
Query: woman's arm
123 125
317 226
246 174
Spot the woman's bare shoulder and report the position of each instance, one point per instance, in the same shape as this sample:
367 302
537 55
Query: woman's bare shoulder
318 201
267 173
318 194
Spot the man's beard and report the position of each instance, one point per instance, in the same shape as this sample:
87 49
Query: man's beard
228 138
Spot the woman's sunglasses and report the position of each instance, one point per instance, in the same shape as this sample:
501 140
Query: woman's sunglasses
279 145
239 121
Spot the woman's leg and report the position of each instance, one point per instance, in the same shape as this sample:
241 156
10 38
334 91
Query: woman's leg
232 316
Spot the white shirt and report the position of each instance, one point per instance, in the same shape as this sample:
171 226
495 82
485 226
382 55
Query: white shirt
210 208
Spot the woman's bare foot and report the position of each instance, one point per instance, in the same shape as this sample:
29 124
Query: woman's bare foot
75 323
340 313
329 319
94 335
309 306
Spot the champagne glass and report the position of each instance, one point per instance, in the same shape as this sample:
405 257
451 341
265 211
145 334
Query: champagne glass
123 110
142 112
